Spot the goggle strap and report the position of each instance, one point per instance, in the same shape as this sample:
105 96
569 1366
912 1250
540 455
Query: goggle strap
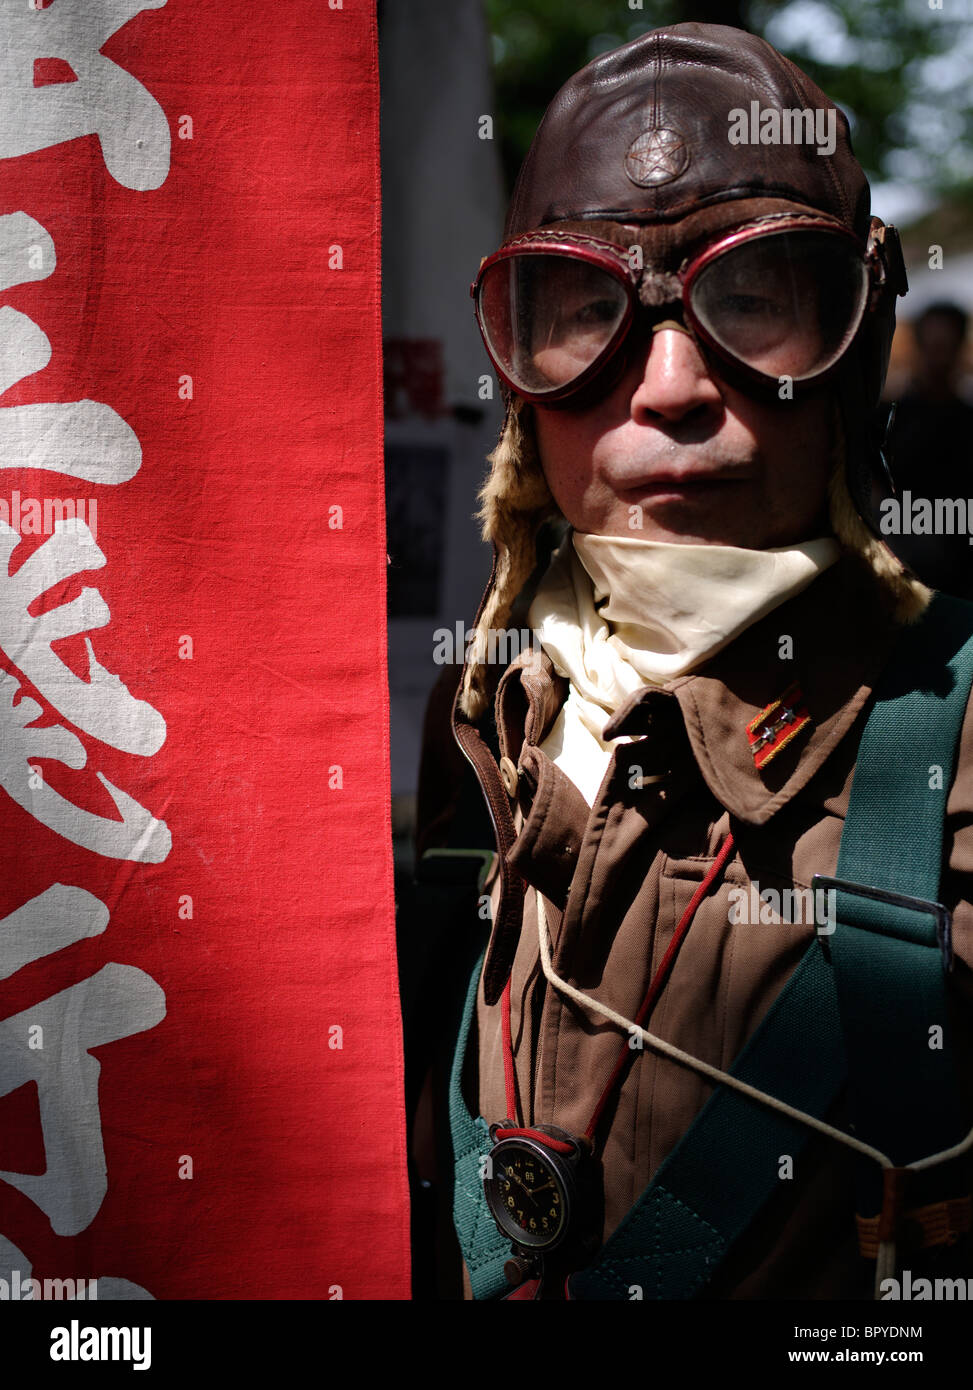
895 272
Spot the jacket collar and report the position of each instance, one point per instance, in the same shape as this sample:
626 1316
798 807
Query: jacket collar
832 640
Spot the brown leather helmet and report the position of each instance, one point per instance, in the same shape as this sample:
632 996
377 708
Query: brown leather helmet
642 134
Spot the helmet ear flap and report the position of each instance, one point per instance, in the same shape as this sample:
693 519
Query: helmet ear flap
514 500
858 488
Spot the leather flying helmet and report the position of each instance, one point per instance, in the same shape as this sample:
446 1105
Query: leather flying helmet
696 177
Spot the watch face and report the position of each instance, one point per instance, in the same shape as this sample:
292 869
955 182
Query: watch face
528 1194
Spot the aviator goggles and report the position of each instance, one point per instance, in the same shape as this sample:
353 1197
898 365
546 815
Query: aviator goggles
555 309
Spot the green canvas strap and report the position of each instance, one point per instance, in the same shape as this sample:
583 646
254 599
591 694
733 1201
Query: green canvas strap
485 1250
450 883
891 949
727 1164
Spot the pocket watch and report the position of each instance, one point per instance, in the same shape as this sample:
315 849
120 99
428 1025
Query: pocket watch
538 1186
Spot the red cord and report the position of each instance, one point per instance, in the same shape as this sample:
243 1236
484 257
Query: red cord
558 1145
509 1077
661 975
648 1003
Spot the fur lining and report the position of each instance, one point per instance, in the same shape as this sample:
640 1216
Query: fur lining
907 595
660 288
514 500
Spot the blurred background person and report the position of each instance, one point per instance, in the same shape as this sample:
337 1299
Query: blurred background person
931 444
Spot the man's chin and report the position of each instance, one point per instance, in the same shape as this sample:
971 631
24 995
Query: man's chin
689 514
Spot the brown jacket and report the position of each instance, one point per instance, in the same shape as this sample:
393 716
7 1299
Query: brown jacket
617 877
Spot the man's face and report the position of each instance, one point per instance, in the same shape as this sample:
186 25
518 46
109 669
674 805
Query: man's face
693 459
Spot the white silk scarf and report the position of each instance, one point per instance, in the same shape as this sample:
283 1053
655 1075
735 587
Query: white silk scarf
615 613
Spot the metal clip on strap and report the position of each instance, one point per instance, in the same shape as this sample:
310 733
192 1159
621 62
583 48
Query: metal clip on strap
455 867
908 925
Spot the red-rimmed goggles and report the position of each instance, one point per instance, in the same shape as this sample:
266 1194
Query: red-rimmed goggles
773 302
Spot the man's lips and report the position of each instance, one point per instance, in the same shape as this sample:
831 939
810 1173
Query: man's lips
692 480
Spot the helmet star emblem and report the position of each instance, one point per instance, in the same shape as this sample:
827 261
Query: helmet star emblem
657 156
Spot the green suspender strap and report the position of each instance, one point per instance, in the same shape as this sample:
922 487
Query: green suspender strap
865 1006
485 1250
861 1006
892 948
727 1165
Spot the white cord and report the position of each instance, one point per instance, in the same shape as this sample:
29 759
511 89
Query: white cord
885 1263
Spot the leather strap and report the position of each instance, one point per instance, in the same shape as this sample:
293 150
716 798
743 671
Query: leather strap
921 1228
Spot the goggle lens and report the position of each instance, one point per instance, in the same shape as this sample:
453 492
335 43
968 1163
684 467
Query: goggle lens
783 305
548 318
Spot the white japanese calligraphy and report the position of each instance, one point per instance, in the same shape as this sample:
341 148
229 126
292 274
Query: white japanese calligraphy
138 835
83 439
54 919
26 250
114 1003
82 93
105 100
101 706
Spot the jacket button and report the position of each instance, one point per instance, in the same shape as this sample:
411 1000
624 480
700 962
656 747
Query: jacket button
510 775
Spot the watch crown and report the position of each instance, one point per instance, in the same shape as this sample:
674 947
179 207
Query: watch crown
517 1269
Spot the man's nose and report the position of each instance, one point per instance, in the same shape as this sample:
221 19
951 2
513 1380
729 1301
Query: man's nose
675 379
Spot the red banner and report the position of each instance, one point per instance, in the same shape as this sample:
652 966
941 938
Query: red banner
200 1053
